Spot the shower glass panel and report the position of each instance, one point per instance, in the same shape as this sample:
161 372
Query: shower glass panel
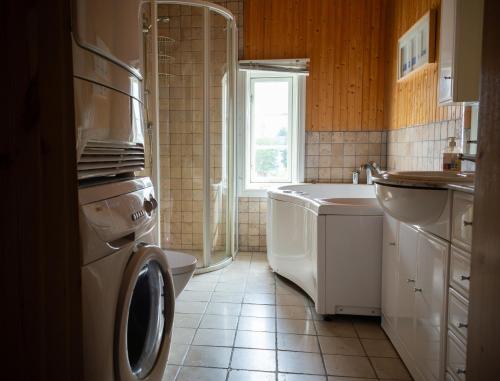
195 75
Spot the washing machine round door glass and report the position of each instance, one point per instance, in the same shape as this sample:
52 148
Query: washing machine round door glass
145 316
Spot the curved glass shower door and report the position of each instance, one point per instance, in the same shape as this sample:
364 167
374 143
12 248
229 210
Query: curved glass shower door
196 72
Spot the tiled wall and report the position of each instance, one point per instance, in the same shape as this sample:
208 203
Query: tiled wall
421 147
331 157
252 215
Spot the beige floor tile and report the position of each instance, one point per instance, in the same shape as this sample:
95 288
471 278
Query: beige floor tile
341 346
348 366
171 373
187 320
227 297
291 300
293 312
201 374
258 310
254 359
250 323
335 328
300 362
301 343
388 368
194 296
301 327
300 377
255 340
177 353
214 337
230 287
200 286
259 299
379 348
182 335
247 375
231 309
190 307
219 322
216 357
261 288
369 330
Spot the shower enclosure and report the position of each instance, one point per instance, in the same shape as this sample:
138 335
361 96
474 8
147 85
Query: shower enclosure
196 64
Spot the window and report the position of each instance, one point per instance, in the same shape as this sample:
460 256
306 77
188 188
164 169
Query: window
273 131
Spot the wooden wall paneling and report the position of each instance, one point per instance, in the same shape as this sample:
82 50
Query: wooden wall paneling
40 260
412 100
345 86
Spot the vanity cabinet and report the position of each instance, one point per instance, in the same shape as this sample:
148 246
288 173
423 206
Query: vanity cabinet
425 291
414 283
460 44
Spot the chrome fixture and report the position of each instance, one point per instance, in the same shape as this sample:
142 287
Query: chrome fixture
467 157
370 168
355 176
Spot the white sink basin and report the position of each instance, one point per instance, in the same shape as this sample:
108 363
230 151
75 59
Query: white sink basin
416 197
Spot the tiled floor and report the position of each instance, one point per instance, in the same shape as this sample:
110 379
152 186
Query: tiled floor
243 323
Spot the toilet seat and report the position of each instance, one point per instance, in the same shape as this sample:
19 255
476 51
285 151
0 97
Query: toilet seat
180 263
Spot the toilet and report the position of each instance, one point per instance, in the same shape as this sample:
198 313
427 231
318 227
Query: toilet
182 266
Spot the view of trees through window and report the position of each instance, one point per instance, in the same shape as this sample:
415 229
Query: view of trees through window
270 130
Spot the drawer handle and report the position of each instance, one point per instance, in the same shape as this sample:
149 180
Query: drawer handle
416 289
464 277
467 223
392 243
462 325
460 371
409 280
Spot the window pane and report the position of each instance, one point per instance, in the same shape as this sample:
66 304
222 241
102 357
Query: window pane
270 130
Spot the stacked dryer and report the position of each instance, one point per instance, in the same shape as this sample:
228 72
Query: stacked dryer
127 284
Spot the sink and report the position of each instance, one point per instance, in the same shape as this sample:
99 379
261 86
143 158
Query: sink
417 197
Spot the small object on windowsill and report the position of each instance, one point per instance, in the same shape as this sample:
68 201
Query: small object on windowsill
467 157
355 176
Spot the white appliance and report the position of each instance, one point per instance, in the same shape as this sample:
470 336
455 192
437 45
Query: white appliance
108 85
127 286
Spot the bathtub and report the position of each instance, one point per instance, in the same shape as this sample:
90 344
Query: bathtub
327 239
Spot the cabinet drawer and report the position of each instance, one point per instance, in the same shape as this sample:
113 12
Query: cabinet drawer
458 310
460 271
456 357
461 220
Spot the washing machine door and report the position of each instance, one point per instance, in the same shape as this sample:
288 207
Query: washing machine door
144 317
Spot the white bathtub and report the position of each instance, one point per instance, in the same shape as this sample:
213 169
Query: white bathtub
327 239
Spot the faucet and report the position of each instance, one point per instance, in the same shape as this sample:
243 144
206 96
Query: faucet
370 168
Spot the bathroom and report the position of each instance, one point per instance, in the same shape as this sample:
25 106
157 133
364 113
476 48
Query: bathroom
311 186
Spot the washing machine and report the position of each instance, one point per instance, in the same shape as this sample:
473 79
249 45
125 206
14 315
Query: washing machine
128 295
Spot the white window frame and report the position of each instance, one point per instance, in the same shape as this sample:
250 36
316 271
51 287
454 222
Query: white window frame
296 149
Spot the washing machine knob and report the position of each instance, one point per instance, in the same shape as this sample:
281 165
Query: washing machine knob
148 206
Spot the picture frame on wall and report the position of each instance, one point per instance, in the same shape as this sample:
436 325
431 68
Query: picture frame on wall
417 47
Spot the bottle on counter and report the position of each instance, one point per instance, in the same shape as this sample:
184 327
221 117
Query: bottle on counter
451 157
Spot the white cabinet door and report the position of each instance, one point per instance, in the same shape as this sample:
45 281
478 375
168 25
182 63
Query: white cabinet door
446 49
407 268
390 276
430 289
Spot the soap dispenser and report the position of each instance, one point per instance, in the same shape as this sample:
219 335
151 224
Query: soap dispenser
451 156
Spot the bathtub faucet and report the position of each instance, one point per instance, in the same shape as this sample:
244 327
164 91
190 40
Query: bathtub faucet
370 168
